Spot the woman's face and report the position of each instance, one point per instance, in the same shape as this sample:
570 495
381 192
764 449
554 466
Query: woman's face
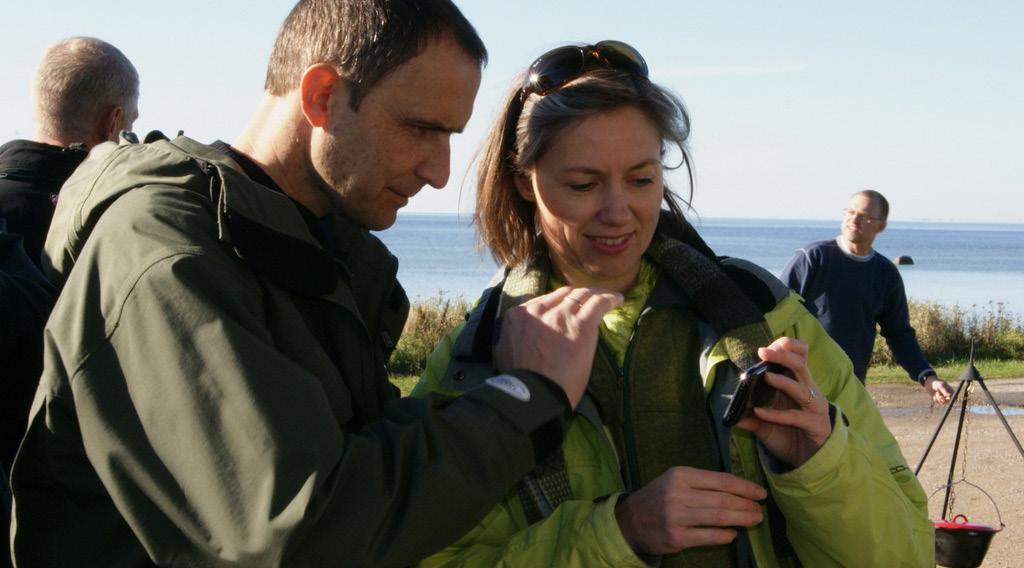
598 190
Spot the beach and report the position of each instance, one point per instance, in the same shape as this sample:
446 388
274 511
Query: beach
992 460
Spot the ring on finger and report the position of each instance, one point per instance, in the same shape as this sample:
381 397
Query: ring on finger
583 296
811 395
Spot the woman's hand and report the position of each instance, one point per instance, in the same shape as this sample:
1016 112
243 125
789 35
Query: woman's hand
686 507
797 425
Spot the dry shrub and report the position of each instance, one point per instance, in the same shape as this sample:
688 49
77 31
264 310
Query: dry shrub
428 322
945 333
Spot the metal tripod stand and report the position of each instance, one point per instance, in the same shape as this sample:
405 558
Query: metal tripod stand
969 375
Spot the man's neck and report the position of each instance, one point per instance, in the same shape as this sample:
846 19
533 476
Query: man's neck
52 140
862 249
277 140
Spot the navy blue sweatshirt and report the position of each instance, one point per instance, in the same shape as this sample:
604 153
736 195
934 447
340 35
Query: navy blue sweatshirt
849 294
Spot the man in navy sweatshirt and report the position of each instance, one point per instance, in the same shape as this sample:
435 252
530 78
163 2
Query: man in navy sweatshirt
850 287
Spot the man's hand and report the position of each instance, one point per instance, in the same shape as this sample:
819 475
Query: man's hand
686 507
556 335
939 389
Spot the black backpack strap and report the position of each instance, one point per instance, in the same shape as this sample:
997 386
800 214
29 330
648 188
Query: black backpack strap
472 354
544 488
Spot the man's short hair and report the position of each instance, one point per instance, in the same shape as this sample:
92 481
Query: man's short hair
878 198
78 80
364 39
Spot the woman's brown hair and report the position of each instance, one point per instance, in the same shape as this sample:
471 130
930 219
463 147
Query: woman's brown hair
505 221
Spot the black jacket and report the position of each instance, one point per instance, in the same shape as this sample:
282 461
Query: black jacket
26 298
31 175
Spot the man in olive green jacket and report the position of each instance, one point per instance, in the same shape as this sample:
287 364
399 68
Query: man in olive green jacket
215 390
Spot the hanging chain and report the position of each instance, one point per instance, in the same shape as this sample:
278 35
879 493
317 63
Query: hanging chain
967 428
968 390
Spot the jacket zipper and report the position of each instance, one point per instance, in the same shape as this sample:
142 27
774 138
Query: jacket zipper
628 432
385 338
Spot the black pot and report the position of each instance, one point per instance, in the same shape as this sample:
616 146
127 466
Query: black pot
961 544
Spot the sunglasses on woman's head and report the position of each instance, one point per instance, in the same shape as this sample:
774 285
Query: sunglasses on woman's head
561 65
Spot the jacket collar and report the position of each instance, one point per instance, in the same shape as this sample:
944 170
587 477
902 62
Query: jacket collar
268 231
694 276
39 162
355 271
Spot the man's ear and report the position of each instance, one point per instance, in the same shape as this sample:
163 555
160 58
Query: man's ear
881 225
107 127
525 187
319 85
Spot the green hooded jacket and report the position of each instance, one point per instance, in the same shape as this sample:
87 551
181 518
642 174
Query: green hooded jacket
215 390
854 503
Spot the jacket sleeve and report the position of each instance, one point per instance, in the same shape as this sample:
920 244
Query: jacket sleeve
578 533
894 323
855 502
25 302
797 272
218 449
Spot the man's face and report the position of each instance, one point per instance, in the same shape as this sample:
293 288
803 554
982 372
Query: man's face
372 161
862 221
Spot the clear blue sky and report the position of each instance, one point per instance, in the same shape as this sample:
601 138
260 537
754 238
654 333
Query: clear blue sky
795 105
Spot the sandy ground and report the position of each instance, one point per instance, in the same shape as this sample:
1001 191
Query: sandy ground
992 460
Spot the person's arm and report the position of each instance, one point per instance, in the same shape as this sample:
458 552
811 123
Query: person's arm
215 445
894 323
886 523
796 273
664 516
577 533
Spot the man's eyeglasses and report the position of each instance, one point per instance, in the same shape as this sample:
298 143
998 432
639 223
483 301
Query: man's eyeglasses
860 217
561 65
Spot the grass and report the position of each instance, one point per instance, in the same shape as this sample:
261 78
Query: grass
945 334
405 382
951 371
428 322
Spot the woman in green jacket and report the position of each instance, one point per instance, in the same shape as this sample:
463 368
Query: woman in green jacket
571 192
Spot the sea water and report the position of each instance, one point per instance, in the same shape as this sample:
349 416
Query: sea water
974 266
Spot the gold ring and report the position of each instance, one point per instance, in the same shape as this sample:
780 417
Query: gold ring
575 300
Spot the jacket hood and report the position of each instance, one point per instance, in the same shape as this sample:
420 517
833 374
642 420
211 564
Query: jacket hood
112 169
262 226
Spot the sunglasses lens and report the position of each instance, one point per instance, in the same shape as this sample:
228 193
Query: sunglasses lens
554 69
622 56
561 65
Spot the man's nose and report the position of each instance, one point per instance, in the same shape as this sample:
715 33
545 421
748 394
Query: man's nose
435 168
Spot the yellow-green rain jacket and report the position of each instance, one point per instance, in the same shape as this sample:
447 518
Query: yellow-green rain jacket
854 503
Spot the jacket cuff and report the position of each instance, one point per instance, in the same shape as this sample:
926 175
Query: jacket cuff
820 468
535 405
925 374
615 550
